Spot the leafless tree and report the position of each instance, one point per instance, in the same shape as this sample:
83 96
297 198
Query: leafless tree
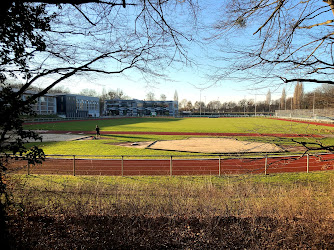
47 42
298 95
189 106
288 39
95 36
163 97
89 92
183 104
150 96
117 94
51 41
283 100
268 99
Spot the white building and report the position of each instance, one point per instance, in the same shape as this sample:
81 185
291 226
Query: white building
45 105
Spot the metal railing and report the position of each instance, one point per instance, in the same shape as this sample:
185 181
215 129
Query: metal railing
317 115
174 165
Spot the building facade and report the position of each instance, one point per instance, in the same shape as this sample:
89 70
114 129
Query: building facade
44 105
140 108
70 105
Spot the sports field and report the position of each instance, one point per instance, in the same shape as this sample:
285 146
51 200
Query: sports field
287 134
197 125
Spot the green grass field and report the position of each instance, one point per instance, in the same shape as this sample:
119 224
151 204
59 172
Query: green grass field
106 145
57 182
203 125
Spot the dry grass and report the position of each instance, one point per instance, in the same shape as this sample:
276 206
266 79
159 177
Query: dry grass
162 212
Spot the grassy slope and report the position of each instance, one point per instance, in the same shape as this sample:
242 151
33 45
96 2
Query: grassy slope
58 182
285 211
210 125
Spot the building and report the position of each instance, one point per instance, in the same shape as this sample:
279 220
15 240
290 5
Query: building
70 105
66 105
140 108
44 105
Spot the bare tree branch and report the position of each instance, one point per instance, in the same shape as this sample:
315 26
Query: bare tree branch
314 25
306 80
294 37
74 2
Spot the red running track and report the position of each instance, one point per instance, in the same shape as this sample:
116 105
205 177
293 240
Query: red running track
113 167
177 133
308 122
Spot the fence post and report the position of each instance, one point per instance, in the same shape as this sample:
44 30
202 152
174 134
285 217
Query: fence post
73 165
28 169
122 166
219 166
171 166
308 163
265 165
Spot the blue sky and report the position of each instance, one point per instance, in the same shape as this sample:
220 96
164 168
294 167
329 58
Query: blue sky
187 80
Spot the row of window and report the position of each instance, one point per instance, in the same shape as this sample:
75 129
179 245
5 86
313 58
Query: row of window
74 105
87 104
125 104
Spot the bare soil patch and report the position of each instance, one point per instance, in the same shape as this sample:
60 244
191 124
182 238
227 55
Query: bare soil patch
205 145
215 145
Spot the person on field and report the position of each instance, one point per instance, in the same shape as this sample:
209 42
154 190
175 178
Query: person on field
97 132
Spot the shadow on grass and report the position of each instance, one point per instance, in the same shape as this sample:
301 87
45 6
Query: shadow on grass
89 125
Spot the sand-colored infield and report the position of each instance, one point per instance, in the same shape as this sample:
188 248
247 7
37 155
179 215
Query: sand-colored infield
207 145
195 144
215 145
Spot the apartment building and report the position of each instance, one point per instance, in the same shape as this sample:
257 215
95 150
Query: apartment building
70 105
140 108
